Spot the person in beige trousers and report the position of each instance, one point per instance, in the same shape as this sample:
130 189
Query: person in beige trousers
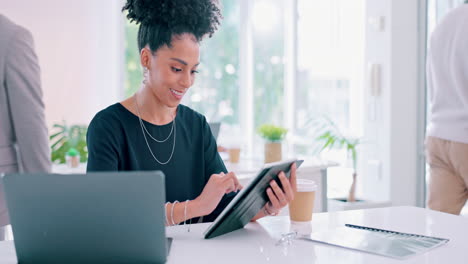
447 133
24 145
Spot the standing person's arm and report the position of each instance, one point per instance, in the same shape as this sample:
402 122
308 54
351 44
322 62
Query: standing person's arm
26 106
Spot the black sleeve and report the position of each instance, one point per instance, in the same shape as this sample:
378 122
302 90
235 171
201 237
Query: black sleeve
102 141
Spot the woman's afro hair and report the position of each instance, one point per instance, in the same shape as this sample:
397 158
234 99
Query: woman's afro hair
198 17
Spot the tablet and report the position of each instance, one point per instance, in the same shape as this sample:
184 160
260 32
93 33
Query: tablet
250 200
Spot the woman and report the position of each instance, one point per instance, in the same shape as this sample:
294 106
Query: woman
151 130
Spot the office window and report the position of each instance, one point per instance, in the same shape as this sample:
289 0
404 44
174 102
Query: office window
215 92
329 42
330 66
268 53
133 70
329 78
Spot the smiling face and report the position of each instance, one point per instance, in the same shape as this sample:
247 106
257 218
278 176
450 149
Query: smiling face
172 70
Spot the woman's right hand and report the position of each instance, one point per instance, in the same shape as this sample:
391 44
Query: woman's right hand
218 185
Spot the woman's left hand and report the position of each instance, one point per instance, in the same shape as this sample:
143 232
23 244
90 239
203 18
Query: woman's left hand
280 197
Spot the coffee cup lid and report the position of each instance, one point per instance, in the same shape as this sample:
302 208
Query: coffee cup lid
304 185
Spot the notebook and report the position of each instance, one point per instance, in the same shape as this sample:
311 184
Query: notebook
377 241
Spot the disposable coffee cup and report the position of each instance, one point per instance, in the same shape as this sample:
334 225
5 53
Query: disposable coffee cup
234 154
301 208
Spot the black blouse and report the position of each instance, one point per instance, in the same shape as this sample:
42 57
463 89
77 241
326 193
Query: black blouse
116 143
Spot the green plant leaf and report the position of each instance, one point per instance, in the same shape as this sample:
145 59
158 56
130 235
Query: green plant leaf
55 135
64 137
329 133
59 126
58 143
272 132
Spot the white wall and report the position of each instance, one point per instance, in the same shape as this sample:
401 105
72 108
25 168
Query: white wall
391 151
80 49
403 116
374 179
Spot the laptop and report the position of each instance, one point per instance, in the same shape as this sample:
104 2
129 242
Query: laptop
105 217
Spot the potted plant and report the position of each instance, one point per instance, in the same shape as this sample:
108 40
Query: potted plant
69 141
331 137
273 136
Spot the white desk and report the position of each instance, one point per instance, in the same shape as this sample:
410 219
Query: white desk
256 242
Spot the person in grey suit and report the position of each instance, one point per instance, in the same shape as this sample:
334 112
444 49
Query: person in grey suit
24 145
